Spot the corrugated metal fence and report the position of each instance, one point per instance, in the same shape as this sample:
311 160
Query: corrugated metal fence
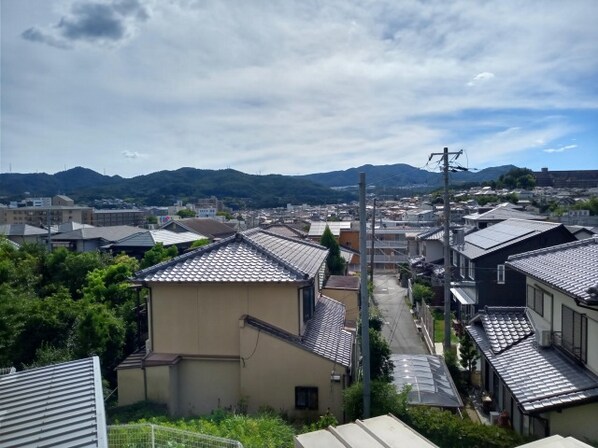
148 435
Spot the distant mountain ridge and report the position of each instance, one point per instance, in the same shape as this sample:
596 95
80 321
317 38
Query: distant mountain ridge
402 175
237 189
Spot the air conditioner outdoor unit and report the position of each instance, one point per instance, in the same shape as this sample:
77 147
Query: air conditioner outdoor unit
544 338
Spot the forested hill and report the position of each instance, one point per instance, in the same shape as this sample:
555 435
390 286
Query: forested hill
237 189
165 187
402 175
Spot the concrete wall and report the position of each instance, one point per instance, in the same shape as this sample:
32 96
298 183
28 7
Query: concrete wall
271 369
579 422
204 319
207 384
131 387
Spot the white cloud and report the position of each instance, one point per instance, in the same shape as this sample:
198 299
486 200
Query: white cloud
272 87
131 155
481 78
561 149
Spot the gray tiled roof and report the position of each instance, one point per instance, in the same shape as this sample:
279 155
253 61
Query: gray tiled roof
504 234
203 226
324 335
571 268
286 230
59 406
21 230
153 237
108 233
505 326
251 256
539 378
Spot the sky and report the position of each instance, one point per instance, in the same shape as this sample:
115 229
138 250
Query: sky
130 87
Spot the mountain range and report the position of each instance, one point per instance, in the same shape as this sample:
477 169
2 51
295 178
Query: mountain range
236 189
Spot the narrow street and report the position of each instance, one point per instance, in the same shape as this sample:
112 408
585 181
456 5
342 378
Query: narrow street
399 328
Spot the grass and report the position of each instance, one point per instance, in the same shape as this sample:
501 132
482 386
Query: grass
263 430
439 331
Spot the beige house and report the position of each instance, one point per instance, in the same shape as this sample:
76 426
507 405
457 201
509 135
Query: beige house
345 289
242 322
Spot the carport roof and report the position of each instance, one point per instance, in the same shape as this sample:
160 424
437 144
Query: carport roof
429 378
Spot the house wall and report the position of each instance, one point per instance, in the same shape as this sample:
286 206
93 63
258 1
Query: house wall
202 319
207 384
131 387
158 383
271 369
579 422
349 298
434 250
552 316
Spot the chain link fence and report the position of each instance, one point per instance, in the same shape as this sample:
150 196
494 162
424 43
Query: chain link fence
148 435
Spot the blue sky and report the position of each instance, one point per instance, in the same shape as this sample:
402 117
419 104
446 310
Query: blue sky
130 87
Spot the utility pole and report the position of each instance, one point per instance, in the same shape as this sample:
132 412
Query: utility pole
447 248
365 315
372 245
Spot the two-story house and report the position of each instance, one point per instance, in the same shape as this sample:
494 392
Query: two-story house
478 265
242 321
540 362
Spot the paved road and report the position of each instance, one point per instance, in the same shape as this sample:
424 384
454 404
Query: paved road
399 328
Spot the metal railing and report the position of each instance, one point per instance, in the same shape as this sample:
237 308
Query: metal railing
149 436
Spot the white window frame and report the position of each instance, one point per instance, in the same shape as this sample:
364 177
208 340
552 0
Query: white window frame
500 274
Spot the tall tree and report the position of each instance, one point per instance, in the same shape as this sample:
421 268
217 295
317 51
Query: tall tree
334 262
469 355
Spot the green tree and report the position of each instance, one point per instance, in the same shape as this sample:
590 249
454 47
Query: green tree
151 219
186 213
590 204
469 355
200 243
384 399
99 331
158 254
421 293
334 262
381 367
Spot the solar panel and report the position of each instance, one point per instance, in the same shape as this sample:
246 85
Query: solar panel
495 235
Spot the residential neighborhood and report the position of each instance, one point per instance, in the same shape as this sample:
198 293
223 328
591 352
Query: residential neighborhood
245 315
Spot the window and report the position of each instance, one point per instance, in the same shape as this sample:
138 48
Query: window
306 398
471 269
535 299
574 327
454 257
462 267
500 274
308 303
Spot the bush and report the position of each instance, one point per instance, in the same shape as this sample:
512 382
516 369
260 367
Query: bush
384 399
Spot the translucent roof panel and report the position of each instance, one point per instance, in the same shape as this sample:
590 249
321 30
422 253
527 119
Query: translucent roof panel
429 379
